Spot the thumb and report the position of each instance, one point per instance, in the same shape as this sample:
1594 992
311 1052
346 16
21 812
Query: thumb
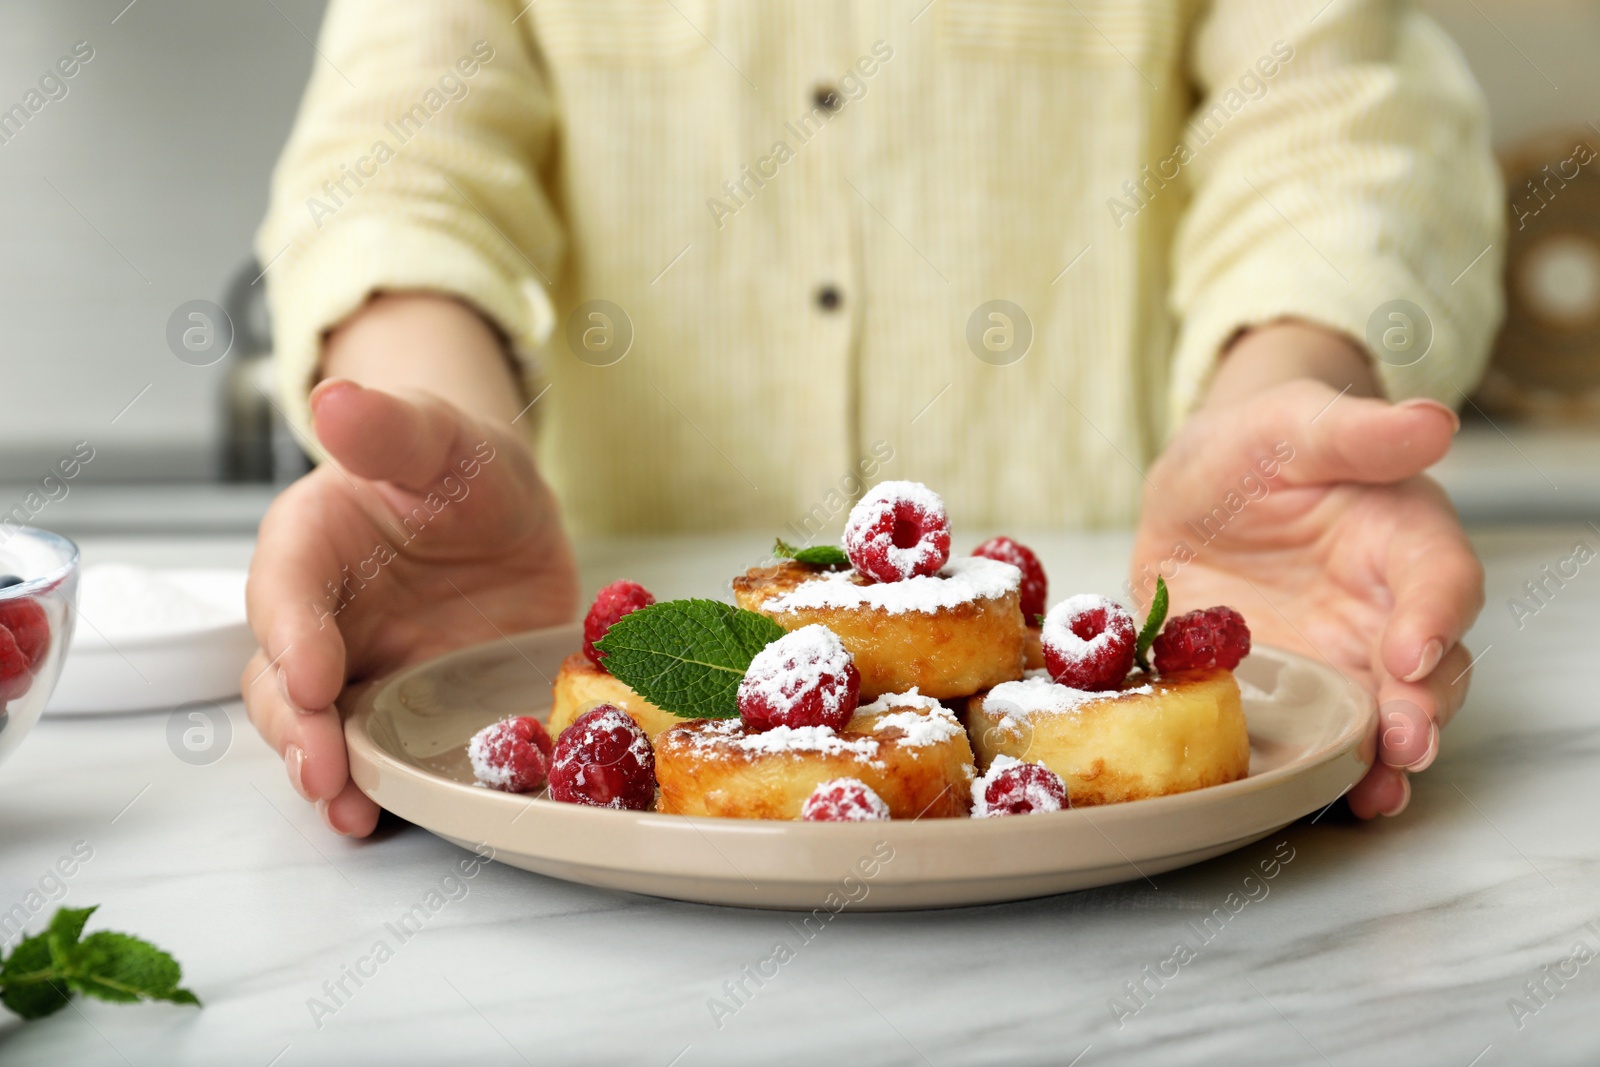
410 441
1338 438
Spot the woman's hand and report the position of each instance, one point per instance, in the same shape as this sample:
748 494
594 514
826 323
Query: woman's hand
1307 510
428 529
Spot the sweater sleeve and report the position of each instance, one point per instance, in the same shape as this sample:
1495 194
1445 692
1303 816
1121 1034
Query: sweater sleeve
414 163
1340 162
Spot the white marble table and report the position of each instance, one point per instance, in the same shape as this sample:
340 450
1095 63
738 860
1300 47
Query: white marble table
1402 941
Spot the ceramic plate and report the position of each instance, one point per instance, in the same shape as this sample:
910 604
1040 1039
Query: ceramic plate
1312 736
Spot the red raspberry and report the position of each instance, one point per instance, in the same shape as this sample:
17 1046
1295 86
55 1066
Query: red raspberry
612 603
1015 788
1035 586
804 678
1215 637
512 755
24 640
1089 642
16 677
844 800
605 761
29 625
899 530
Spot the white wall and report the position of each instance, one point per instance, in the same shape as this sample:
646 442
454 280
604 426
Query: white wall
1536 60
164 143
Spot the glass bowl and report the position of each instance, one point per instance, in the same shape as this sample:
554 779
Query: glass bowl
36 618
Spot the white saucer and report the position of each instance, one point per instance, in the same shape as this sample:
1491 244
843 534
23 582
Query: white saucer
114 672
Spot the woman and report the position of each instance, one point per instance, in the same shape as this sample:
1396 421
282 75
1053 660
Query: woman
725 264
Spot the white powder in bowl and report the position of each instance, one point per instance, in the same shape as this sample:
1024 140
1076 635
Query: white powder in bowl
118 601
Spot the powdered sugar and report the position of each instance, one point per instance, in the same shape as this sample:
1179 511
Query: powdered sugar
590 731
963 580
1035 585
604 760
1058 625
869 535
1027 789
1088 642
1008 725
124 601
980 785
1036 694
916 494
891 701
920 730
511 755
844 800
810 660
781 739
488 767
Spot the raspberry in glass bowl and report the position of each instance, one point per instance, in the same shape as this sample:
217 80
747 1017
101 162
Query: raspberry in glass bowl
38 598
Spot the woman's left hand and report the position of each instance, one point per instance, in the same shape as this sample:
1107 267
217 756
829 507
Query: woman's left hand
1308 512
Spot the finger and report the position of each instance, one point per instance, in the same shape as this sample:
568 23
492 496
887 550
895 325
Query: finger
408 440
1439 695
291 611
311 743
1412 714
1447 686
1384 791
1437 583
1309 434
1408 736
351 813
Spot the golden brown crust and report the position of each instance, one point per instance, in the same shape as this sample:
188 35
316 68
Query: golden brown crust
1034 650
760 584
702 770
1187 734
949 653
580 686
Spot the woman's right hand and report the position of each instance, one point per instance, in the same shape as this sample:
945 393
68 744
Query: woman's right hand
426 530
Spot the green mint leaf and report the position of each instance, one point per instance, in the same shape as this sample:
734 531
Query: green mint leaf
66 926
124 969
816 555
1152 625
687 657
31 988
42 972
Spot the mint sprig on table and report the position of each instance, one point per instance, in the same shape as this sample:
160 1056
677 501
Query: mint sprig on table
43 972
1152 625
687 657
816 555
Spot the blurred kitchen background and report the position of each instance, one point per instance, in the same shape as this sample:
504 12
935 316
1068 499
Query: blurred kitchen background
139 190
